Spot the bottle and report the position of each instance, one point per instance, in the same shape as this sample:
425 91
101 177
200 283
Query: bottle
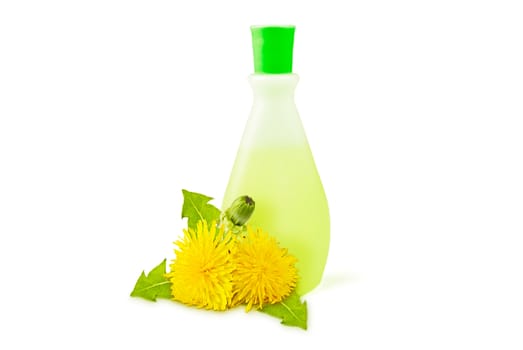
274 164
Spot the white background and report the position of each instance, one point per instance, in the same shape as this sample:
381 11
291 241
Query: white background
412 108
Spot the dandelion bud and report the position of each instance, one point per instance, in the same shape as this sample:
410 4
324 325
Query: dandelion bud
240 211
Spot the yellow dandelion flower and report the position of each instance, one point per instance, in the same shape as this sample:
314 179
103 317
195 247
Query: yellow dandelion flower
201 273
264 272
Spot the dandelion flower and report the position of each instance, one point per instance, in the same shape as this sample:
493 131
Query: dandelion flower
264 272
201 273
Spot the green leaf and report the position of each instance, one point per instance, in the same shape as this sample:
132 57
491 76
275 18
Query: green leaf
291 311
196 208
155 285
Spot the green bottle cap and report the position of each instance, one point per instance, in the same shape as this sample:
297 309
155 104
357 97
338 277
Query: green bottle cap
272 47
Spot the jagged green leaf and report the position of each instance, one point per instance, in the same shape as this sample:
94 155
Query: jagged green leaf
196 207
154 285
291 311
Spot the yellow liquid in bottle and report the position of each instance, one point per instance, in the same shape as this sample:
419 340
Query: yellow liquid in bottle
290 204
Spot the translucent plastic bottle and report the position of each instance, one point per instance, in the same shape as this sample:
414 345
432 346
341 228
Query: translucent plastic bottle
274 164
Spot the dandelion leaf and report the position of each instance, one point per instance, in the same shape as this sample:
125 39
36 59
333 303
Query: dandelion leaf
196 207
154 285
291 311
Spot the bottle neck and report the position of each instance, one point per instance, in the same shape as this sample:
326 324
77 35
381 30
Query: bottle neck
274 120
273 87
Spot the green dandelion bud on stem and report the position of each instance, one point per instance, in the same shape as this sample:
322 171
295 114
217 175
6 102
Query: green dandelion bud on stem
240 210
